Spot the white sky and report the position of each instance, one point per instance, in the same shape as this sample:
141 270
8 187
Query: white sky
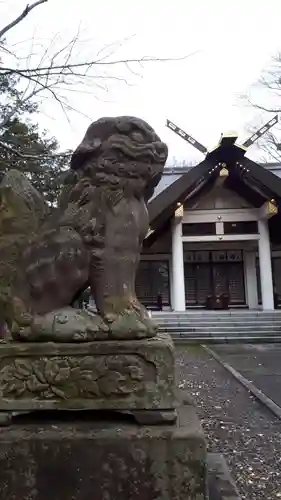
232 42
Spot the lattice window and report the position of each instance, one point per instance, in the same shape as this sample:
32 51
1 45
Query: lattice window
189 256
202 256
234 256
219 256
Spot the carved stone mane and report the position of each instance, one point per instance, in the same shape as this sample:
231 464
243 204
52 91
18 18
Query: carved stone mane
123 154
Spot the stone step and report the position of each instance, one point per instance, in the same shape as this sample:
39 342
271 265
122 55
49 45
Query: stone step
218 329
263 334
220 321
229 339
223 331
191 324
221 324
230 331
218 324
232 310
216 315
218 312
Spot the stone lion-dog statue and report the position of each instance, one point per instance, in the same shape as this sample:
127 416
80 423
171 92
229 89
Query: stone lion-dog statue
93 238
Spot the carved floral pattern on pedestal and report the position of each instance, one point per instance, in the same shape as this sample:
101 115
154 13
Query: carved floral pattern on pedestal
67 377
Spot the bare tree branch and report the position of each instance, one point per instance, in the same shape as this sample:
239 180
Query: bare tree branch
265 96
56 73
20 18
41 73
263 108
23 156
41 70
88 64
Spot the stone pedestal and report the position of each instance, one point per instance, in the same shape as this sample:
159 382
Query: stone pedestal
104 460
100 454
127 376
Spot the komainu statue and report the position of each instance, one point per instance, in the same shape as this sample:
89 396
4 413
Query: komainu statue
93 238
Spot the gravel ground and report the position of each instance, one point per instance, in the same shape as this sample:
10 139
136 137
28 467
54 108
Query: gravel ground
259 363
235 424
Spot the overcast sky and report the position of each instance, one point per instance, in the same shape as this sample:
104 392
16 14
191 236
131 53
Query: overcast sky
230 41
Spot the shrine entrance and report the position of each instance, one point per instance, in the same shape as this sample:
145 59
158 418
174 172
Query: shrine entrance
153 281
212 273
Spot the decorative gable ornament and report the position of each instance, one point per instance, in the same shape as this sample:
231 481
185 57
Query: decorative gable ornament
224 171
179 211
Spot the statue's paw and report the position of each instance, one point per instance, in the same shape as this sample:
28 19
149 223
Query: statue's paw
76 325
130 325
152 327
22 334
65 325
95 329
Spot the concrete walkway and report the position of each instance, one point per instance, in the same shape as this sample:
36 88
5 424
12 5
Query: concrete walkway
261 364
235 423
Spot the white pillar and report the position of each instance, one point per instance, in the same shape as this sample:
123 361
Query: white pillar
171 283
265 266
177 282
251 279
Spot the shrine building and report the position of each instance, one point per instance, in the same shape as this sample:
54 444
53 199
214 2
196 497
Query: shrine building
215 235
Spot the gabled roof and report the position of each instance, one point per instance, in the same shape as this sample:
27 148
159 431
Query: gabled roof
165 182
249 179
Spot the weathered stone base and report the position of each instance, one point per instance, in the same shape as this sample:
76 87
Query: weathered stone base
220 483
127 376
104 460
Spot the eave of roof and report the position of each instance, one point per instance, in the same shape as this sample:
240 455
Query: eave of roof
161 207
262 177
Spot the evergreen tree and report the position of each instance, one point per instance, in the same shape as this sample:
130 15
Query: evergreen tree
24 147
